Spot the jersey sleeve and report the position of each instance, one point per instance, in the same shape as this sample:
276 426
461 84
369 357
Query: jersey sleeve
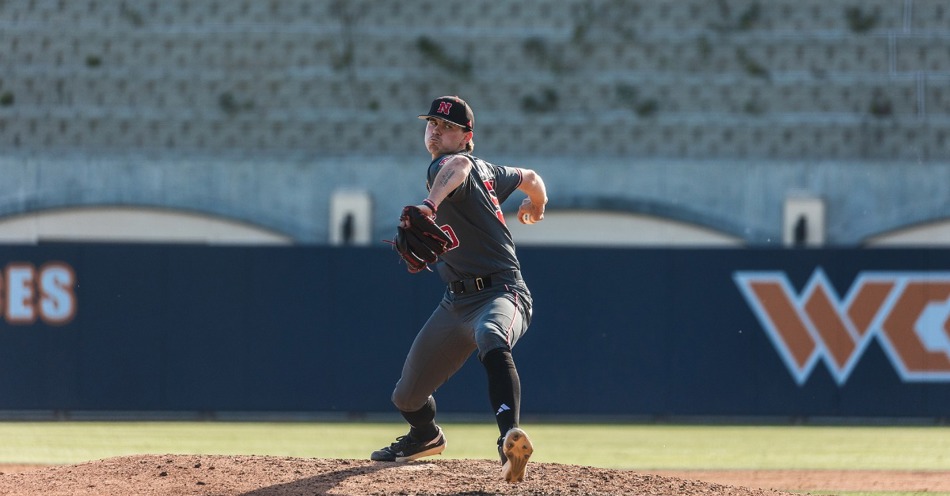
507 180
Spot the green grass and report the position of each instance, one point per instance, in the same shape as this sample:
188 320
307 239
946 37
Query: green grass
624 446
607 445
752 447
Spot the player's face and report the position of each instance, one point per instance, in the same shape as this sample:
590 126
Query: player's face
444 137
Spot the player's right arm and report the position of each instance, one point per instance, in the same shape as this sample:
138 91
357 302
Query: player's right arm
532 207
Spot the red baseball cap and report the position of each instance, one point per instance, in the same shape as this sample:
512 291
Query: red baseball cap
452 109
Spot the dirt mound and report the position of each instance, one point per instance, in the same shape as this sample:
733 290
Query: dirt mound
164 475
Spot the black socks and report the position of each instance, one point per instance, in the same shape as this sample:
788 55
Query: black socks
422 421
504 388
504 392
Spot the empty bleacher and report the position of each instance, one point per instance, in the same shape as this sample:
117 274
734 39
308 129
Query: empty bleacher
685 104
783 79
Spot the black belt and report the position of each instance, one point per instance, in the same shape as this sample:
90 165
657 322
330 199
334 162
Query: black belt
477 284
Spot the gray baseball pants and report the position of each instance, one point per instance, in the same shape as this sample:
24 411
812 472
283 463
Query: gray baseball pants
494 318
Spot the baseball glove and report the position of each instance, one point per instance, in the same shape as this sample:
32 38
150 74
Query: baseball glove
421 242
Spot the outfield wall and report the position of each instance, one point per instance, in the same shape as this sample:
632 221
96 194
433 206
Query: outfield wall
638 332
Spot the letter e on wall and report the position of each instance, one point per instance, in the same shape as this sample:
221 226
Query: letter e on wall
20 293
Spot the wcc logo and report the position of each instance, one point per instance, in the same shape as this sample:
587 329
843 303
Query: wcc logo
908 313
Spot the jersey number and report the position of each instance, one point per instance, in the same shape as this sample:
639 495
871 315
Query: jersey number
490 187
447 229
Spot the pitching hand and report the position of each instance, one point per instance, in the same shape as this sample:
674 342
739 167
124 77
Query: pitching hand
530 213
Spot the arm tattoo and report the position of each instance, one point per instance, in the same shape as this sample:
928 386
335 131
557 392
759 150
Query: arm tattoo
445 176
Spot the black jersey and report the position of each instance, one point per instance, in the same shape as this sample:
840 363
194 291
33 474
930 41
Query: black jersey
472 216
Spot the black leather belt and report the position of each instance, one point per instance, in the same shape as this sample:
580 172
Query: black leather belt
477 284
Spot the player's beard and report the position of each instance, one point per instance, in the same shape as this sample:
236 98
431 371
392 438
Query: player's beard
437 146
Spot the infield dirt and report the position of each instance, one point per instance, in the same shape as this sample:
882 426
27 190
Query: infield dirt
165 475
207 475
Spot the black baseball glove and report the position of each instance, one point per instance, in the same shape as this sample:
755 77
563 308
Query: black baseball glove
421 242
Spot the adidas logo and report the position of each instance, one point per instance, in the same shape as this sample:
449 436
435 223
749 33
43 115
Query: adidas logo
503 408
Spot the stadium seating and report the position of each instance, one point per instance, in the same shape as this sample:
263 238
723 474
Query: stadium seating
786 83
704 73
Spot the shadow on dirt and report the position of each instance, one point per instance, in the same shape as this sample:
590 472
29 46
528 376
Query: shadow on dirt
320 484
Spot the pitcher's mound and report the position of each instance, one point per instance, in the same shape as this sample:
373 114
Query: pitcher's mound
164 475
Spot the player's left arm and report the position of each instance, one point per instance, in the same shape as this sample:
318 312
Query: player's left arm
532 207
450 176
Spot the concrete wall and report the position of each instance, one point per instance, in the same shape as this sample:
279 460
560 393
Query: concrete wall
290 196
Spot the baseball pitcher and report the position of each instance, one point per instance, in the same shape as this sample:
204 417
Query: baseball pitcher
459 229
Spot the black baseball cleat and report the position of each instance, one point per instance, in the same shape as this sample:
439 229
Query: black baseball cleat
406 449
515 449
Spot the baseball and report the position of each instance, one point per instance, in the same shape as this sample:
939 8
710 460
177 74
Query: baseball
526 218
